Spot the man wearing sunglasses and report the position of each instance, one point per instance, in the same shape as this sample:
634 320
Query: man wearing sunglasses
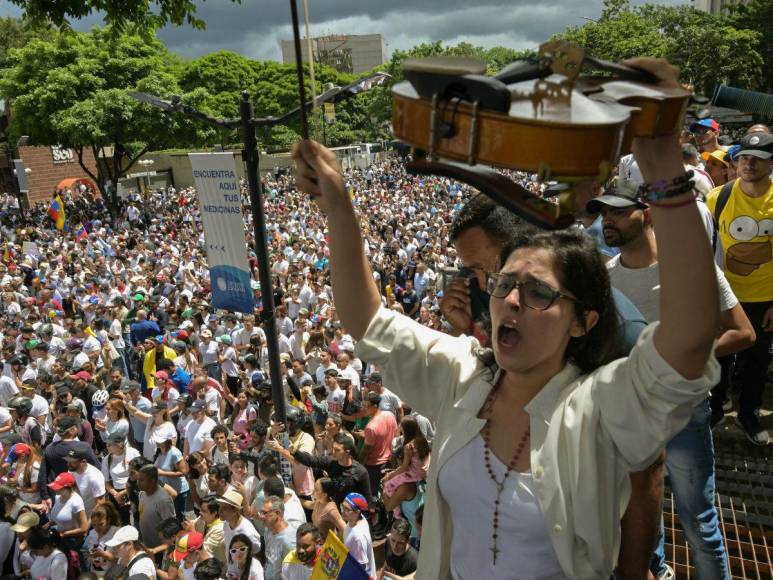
706 134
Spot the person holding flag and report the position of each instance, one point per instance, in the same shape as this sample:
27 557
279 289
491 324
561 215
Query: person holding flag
56 211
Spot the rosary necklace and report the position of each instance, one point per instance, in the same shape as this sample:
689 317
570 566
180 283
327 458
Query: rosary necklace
500 484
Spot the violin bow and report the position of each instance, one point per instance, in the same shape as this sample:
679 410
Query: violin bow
299 67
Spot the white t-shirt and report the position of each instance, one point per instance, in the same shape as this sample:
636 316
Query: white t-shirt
336 399
229 365
8 390
116 468
256 570
642 287
21 481
212 399
143 566
243 527
91 484
360 545
198 433
155 434
65 514
93 541
49 567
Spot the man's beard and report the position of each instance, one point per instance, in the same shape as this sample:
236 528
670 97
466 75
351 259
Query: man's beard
306 557
613 237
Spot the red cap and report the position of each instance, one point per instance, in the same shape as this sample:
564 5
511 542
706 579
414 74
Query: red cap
163 376
181 334
187 543
62 480
84 375
21 449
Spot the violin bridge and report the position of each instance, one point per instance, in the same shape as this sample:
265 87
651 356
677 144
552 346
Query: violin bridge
565 58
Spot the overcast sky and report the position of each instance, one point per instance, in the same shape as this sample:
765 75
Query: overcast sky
255 27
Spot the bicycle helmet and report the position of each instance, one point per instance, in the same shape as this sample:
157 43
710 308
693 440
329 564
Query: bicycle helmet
100 398
22 405
74 344
294 415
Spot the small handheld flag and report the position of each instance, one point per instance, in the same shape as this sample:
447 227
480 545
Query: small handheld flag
335 562
56 212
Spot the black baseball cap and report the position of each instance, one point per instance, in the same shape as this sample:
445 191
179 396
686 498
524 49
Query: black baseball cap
620 193
76 455
116 439
66 423
758 145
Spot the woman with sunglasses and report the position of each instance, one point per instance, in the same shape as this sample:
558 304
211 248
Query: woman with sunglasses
243 564
536 437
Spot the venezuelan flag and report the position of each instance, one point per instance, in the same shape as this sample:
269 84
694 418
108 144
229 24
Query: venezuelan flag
81 232
335 562
56 212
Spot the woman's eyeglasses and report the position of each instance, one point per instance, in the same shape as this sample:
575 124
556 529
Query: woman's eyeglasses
533 293
239 550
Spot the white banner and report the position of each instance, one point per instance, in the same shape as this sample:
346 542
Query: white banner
217 186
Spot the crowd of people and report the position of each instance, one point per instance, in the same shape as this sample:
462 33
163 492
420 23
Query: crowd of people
137 422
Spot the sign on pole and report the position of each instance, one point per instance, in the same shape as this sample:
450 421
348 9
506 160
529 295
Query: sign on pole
217 186
330 113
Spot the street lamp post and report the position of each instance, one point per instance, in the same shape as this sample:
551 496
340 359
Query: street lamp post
146 163
251 157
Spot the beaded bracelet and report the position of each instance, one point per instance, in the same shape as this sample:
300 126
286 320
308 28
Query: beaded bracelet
687 201
665 189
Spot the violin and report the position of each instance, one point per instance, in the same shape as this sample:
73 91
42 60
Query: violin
541 116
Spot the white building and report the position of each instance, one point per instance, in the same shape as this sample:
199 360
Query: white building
352 53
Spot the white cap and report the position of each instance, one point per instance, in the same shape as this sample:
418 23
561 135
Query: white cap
123 535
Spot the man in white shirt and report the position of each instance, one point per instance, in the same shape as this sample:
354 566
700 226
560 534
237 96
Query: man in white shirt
231 505
198 434
91 482
326 363
689 455
347 370
335 394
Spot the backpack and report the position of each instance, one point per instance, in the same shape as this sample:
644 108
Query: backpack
722 198
117 571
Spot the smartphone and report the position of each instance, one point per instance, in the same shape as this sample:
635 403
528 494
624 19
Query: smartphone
478 296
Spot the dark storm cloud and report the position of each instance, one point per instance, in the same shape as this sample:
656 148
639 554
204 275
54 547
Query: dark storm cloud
255 27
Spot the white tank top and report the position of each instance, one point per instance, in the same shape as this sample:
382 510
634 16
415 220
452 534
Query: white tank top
525 551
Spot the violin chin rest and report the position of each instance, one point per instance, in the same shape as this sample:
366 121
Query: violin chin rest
501 189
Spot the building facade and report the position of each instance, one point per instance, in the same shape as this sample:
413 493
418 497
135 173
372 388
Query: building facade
349 53
715 6
48 166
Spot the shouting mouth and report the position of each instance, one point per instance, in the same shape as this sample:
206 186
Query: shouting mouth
507 335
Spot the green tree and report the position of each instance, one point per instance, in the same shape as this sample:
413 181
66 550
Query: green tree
274 90
147 15
708 48
757 16
72 89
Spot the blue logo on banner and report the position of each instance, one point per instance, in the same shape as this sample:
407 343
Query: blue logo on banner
231 289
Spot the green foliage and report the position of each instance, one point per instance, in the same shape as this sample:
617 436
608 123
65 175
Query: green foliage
146 15
757 16
710 49
72 89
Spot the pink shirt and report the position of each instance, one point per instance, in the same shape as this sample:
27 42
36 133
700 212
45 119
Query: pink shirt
379 433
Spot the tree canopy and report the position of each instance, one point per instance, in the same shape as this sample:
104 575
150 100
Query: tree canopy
72 89
145 15
709 48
